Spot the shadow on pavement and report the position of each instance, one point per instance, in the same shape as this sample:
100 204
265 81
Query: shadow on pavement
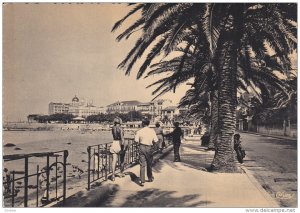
134 178
193 157
167 161
196 161
158 198
92 198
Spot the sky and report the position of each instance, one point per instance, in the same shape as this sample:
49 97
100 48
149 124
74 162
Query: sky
52 52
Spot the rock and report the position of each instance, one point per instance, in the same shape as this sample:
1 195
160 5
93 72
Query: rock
9 145
17 148
69 143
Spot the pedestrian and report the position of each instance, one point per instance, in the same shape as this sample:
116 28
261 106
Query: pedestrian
176 135
118 147
146 138
237 146
160 136
205 139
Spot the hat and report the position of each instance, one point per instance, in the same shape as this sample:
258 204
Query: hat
118 121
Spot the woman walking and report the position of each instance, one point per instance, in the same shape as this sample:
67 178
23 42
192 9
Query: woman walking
160 135
118 147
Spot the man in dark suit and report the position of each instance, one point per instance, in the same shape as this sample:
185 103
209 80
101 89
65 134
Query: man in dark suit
176 135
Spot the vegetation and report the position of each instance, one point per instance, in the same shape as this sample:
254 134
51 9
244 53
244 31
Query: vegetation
221 48
130 116
59 117
67 118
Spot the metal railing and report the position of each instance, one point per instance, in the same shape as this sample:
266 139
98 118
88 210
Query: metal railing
35 180
100 159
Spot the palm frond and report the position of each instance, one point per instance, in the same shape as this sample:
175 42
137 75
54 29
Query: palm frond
133 11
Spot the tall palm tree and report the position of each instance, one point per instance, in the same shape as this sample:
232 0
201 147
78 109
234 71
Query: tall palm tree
230 29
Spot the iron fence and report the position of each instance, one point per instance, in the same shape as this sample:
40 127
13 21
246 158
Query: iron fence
30 178
100 159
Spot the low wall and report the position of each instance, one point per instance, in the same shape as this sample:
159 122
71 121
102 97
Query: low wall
290 132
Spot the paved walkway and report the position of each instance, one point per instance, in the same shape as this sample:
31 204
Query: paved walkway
180 184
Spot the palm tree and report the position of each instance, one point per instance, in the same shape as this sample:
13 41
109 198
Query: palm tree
231 29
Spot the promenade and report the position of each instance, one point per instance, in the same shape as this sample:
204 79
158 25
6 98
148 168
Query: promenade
180 184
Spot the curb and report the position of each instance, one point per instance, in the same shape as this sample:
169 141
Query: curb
271 136
253 180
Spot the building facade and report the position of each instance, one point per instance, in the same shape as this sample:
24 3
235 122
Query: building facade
169 112
154 108
123 107
78 108
55 108
144 108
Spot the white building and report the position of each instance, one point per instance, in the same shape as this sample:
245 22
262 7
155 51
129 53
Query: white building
58 108
123 107
154 108
170 112
78 108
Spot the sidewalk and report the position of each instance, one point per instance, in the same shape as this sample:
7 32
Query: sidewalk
180 184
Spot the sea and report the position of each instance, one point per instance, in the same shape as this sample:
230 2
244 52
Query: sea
76 142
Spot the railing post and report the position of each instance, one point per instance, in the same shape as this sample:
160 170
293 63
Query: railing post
102 161
55 177
98 161
37 185
89 166
94 165
106 166
13 189
26 183
132 153
48 175
66 153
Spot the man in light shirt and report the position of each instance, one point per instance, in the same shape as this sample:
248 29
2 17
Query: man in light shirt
146 137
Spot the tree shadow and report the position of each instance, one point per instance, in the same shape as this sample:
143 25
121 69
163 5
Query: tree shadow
195 147
192 155
92 198
157 198
197 161
167 161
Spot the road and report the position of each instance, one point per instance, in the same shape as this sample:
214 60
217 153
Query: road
273 162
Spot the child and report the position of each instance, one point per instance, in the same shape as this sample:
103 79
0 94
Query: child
237 144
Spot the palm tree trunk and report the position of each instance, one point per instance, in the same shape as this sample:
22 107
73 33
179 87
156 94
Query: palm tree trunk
214 120
224 156
226 67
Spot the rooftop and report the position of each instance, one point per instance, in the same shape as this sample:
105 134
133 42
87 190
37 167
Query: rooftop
128 103
170 108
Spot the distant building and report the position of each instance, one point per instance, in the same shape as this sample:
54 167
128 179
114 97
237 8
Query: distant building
55 108
123 107
144 108
154 108
78 108
170 112
86 110
158 106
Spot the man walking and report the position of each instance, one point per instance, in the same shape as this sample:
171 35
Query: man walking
176 134
146 137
